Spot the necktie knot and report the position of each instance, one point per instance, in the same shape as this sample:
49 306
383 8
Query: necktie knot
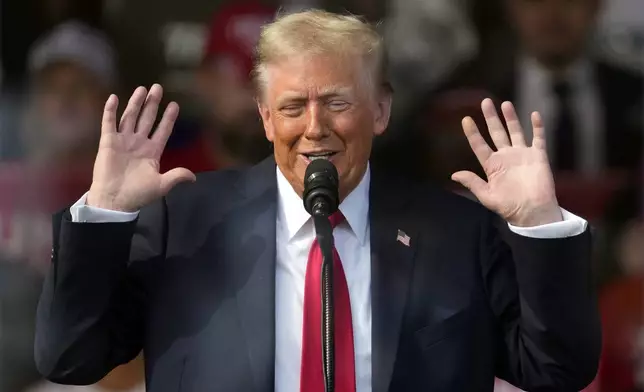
336 218
562 90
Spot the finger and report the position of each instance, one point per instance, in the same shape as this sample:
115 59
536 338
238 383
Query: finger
478 145
494 124
474 183
150 109
163 131
538 131
108 124
514 125
175 176
131 113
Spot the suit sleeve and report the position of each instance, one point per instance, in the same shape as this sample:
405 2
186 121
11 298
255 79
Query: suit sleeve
542 296
90 315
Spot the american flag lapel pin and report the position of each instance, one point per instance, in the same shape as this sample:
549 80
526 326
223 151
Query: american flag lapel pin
403 238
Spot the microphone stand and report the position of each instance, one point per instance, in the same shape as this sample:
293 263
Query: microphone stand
324 234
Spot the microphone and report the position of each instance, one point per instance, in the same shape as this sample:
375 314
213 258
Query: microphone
321 188
321 200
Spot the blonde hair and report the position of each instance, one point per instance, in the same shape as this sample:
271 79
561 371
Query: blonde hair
317 32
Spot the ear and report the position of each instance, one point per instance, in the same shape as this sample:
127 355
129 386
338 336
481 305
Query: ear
382 110
265 114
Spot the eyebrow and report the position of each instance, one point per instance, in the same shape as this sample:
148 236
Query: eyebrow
326 92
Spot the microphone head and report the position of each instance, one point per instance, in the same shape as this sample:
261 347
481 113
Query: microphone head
321 185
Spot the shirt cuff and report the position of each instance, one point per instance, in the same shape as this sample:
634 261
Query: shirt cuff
570 226
82 213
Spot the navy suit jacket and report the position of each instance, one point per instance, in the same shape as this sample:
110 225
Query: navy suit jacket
191 282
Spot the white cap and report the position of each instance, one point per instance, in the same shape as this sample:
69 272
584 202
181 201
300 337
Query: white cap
78 43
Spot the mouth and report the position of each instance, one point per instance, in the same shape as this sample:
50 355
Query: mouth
310 157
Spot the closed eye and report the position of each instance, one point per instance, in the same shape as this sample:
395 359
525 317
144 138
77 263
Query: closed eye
291 110
338 106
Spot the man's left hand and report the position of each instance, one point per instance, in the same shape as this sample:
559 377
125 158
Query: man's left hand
520 186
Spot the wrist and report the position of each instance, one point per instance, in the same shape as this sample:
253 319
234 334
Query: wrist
106 202
538 217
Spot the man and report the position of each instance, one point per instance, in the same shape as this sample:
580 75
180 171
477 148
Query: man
213 280
232 134
71 70
592 109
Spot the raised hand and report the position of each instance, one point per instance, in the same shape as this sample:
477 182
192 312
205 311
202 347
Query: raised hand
520 186
126 172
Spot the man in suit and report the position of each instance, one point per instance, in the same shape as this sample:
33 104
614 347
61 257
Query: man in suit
591 108
215 279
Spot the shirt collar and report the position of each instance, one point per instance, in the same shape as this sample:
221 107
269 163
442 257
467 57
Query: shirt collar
577 74
355 207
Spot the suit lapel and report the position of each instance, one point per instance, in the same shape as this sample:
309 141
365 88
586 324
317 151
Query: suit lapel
252 229
391 266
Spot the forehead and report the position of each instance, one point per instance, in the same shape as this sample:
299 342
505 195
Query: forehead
64 72
315 75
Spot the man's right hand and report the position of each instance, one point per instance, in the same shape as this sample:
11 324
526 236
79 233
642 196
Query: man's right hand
126 172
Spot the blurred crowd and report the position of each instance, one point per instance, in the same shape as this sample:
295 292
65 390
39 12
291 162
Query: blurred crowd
580 63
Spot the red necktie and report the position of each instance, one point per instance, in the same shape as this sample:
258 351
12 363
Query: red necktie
312 373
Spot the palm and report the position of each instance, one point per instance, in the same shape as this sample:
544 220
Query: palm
520 185
126 172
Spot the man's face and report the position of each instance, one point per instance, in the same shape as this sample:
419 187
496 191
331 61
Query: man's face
68 104
229 96
322 106
554 31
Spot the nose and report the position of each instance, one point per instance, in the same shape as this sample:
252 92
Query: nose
316 128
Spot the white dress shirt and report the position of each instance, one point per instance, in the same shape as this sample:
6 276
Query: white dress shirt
294 235
535 94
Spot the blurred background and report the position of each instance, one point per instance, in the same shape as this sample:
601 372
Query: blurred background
578 62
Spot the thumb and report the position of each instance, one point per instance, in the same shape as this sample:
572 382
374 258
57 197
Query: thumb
173 177
474 183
